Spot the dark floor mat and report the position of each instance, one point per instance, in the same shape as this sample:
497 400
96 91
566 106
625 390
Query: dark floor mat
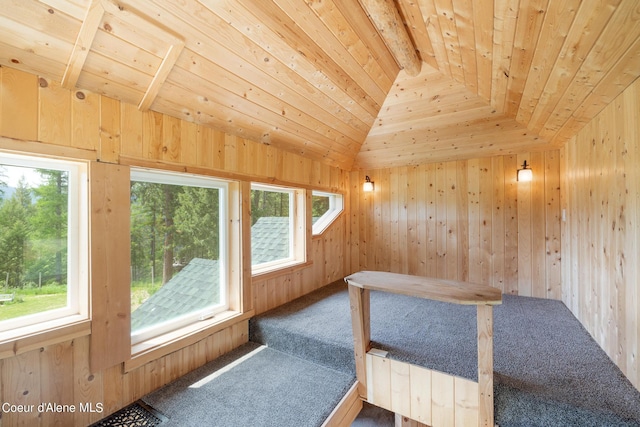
138 414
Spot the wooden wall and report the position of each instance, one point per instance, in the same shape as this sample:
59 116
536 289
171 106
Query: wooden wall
36 115
463 220
601 234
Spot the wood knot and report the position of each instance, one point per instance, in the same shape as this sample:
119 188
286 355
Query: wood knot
108 27
43 82
80 95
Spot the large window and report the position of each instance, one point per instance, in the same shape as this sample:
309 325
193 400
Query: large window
277 227
178 251
43 243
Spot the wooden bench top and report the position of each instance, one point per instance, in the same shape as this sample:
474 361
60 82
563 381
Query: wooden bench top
452 291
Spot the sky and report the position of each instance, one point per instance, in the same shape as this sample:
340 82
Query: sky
12 175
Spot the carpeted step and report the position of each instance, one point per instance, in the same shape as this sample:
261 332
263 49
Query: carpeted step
548 371
252 386
307 328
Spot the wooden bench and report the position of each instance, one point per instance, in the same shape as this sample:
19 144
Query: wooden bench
396 387
6 297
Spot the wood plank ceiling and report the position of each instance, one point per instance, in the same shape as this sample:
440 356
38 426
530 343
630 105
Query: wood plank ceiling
318 77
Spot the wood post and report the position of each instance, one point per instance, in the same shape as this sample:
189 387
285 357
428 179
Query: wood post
485 365
359 301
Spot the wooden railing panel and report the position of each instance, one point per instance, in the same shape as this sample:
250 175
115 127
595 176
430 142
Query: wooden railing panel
427 396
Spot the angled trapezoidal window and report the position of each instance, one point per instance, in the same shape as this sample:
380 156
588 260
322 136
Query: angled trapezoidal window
325 208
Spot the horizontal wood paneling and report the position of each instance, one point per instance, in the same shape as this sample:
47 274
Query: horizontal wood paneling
465 220
601 234
89 126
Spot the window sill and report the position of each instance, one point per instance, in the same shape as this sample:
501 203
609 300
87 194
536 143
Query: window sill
155 348
262 274
43 334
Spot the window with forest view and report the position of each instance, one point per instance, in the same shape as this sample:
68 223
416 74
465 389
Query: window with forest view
41 253
178 251
272 222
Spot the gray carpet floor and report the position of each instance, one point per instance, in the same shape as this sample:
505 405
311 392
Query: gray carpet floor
252 386
548 369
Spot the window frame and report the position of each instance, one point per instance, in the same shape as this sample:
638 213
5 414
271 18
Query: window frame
77 308
164 331
336 207
297 226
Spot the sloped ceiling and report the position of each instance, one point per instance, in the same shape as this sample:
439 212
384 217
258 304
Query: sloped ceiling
316 77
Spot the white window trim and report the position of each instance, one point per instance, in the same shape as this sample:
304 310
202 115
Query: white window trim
336 206
297 240
156 332
77 308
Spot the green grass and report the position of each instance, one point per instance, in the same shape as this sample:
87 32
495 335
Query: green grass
48 297
33 300
140 291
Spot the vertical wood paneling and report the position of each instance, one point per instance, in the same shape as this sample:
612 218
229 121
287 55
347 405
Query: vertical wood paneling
85 120
19 109
400 387
412 221
466 402
429 200
451 221
441 221
21 382
538 233
473 222
497 224
442 399
88 386
61 372
109 148
524 233
485 197
553 218
54 117
511 225
631 147
600 193
420 394
54 362
462 197
110 249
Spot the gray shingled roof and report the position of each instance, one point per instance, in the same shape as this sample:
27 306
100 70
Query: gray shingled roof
269 239
196 286
193 288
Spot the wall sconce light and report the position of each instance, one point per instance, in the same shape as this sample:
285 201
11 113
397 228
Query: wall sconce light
525 174
368 185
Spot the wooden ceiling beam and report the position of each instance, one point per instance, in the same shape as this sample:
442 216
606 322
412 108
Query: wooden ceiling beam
83 44
386 18
161 75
